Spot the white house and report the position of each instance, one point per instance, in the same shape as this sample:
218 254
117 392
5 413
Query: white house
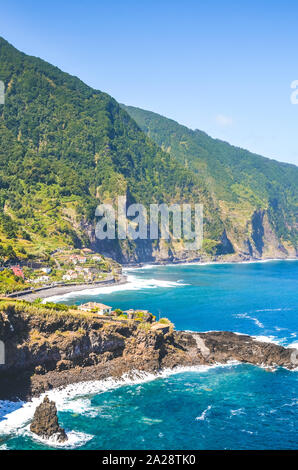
100 309
47 270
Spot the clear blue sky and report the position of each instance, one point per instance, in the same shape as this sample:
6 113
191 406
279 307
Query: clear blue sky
221 66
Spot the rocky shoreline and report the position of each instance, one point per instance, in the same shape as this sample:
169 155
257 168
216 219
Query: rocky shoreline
49 350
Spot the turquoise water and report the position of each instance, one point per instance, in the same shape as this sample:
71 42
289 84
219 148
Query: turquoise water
231 407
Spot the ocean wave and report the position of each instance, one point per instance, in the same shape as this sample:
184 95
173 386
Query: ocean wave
280 309
267 339
133 283
74 397
293 345
294 402
203 415
248 432
248 317
150 421
75 439
238 411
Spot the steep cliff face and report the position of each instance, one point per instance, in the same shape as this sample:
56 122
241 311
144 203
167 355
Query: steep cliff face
254 197
266 243
65 148
48 350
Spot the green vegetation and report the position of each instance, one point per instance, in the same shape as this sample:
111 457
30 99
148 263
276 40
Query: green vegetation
143 316
164 321
64 148
46 310
240 182
118 311
10 283
167 322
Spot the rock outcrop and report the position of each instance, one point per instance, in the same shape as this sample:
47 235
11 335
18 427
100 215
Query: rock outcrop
50 350
45 422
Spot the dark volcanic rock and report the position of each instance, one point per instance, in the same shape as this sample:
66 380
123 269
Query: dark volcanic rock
45 421
224 346
46 352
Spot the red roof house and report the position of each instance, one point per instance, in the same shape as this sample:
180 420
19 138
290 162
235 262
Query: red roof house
18 271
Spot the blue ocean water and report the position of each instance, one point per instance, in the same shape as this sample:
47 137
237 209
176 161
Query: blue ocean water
230 407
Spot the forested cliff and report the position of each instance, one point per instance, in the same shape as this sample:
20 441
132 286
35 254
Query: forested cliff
65 148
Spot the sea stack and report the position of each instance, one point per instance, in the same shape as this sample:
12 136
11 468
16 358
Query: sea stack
45 421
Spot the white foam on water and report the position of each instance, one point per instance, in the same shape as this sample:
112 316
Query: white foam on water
78 406
248 317
203 415
279 328
150 421
248 432
204 263
293 345
74 439
266 339
280 309
294 402
238 411
74 397
133 283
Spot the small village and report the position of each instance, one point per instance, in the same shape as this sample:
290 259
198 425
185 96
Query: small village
64 267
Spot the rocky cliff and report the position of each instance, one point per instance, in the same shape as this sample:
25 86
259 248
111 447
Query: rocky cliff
254 198
65 148
48 349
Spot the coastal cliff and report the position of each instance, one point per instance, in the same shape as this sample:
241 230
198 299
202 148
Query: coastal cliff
95 151
46 349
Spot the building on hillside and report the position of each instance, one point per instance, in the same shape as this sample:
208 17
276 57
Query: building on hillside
70 274
46 270
17 270
96 258
75 259
100 309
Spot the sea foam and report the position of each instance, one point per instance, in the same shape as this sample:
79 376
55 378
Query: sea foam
16 416
133 283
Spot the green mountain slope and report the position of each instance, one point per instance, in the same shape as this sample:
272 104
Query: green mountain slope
65 147
257 198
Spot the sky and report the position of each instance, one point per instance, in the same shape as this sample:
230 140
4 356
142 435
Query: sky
224 67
